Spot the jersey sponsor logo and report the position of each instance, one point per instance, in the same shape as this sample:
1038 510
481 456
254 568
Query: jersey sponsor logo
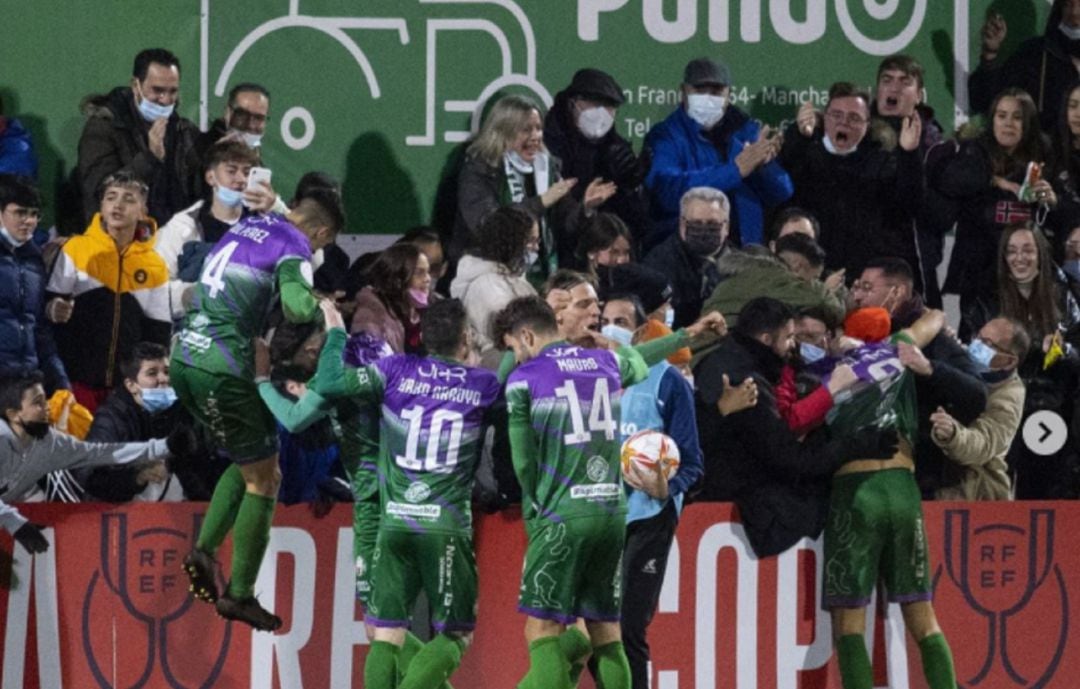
596 469
402 509
597 490
196 341
455 373
418 491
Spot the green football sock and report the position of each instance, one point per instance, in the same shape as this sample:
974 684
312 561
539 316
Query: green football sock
251 534
576 647
433 664
222 511
413 645
548 667
855 669
613 669
380 666
937 662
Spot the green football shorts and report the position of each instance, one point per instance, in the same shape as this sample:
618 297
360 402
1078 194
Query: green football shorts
574 569
875 530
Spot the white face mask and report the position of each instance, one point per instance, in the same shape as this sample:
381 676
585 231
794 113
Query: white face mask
252 140
530 258
151 111
1071 32
831 147
618 334
11 239
595 123
704 109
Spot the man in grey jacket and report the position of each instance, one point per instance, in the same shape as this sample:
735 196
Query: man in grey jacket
30 449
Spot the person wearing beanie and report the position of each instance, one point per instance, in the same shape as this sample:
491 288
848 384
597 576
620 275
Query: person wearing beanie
869 324
662 402
707 142
580 131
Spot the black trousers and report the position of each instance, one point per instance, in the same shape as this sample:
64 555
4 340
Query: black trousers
645 555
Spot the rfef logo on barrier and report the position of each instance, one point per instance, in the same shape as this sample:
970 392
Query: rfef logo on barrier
137 604
1014 591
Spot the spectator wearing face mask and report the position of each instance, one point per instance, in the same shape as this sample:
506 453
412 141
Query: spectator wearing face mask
389 308
863 185
492 275
707 142
247 112
143 407
977 452
580 131
135 129
605 241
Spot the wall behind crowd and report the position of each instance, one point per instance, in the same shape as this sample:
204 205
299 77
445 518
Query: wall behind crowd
380 93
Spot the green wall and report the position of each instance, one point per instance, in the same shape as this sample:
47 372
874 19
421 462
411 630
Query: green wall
388 83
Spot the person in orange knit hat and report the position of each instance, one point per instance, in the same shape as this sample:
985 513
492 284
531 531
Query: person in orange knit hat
869 324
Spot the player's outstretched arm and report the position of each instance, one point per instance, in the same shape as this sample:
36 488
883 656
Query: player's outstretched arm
295 415
922 331
632 366
334 379
298 302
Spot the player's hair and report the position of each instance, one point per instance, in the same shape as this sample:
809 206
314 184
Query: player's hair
903 63
320 208
125 179
20 191
639 311
501 126
763 315
502 236
287 340
157 55
143 351
390 275
312 180
231 152
246 87
567 279
13 387
524 312
600 233
802 245
786 215
893 268
443 326
846 89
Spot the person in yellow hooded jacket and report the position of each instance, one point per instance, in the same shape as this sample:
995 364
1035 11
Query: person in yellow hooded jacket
109 290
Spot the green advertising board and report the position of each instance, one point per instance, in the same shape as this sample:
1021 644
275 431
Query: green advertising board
382 92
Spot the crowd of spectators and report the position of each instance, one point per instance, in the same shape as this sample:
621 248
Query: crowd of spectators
794 236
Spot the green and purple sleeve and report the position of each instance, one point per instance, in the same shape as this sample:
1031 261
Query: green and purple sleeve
298 302
335 379
524 448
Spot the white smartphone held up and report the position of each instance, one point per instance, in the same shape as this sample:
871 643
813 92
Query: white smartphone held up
257 176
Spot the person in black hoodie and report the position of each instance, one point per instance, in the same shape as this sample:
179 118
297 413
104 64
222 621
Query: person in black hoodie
779 484
1043 66
864 187
136 129
579 129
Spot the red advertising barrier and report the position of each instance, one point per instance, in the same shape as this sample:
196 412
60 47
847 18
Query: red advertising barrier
107 605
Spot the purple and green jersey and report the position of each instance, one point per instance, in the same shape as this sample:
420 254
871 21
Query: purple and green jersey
884 395
236 290
564 429
430 434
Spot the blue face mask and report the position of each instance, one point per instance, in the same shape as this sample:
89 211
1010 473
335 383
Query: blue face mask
151 111
981 353
230 197
618 334
158 399
811 353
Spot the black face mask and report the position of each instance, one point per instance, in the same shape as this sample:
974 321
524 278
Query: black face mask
703 243
36 429
991 377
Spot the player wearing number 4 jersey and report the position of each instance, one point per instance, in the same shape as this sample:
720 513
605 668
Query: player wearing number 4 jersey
563 404
212 371
434 410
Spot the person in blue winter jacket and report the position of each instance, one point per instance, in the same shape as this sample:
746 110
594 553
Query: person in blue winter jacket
707 142
17 155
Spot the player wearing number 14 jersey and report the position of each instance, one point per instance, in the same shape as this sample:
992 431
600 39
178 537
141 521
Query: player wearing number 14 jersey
433 410
261 257
563 403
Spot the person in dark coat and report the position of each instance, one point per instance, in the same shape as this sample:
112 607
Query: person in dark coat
136 129
1043 66
579 130
864 187
779 484
945 375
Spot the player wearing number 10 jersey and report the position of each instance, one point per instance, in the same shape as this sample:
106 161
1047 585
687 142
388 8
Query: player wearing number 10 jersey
212 371
433 410
563 403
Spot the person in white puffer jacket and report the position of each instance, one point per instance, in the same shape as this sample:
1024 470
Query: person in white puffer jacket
492 274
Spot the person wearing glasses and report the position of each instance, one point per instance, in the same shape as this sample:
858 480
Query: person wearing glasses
709 142
864 189
689 257
246 114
